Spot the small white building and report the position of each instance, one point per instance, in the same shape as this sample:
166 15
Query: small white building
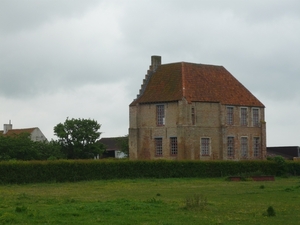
35 133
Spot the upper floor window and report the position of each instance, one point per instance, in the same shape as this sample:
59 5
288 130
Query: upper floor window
244 117
255 117
173 145
244 147
193 116
230 147
205 146
160 115
158 146
229 115
256 147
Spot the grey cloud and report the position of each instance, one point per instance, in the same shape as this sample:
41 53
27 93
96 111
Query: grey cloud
21 15
53 47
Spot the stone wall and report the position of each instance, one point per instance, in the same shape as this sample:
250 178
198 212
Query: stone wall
189 123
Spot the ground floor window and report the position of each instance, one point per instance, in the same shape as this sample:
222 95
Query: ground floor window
244 147
158 146
256 147
205 146
173 145
230 147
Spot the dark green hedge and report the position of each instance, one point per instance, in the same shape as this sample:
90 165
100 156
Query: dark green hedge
78 170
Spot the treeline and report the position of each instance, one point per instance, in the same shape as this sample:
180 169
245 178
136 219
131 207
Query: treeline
79 170
77 139
21 147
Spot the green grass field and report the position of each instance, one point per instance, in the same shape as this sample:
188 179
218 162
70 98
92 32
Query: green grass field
152 201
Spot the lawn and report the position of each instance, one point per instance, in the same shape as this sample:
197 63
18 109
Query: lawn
152 201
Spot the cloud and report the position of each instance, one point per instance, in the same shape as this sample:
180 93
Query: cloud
88 58
99 102
17 16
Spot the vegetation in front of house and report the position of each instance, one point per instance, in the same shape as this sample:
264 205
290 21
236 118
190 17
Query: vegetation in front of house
152 201
79 170
21 147
77 139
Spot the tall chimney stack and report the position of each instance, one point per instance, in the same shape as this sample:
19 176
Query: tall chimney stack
7 127
155 62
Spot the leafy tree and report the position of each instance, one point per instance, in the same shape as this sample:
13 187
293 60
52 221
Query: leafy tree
79 138
18 146
49 150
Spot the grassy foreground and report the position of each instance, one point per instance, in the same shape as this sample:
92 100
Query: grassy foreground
152 201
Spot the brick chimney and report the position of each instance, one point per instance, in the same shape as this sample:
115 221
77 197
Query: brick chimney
7 127
155 62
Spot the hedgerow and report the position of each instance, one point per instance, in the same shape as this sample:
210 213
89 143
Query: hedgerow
79 170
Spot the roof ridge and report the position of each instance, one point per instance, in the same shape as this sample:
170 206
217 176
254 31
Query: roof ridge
24 128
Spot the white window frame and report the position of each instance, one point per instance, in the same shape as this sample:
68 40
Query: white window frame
229 120
230 152
158 148
256 147
205 150
173 146
244 116
254 122
244 147
160 115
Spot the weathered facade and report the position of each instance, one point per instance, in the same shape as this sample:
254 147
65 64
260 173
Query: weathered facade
195 111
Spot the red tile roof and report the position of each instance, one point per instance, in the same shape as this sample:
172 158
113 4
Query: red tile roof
18 131
196 83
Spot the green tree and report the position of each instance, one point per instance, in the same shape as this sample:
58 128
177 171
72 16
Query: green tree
49 150
79 138
18 146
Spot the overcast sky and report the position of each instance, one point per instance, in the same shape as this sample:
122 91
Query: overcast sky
87 59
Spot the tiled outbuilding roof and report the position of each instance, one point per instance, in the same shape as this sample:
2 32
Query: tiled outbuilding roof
111 143
18 131
196 83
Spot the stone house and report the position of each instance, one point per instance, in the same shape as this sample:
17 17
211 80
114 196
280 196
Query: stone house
35 133
188 111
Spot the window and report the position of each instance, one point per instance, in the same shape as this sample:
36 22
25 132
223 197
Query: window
160 115
229 115
256 147
230 147
158 146
204 146
255 117
173 145
244 147
193 116
244 116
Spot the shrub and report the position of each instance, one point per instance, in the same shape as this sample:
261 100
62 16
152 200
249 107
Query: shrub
20 209
196 201
78 170
270 211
